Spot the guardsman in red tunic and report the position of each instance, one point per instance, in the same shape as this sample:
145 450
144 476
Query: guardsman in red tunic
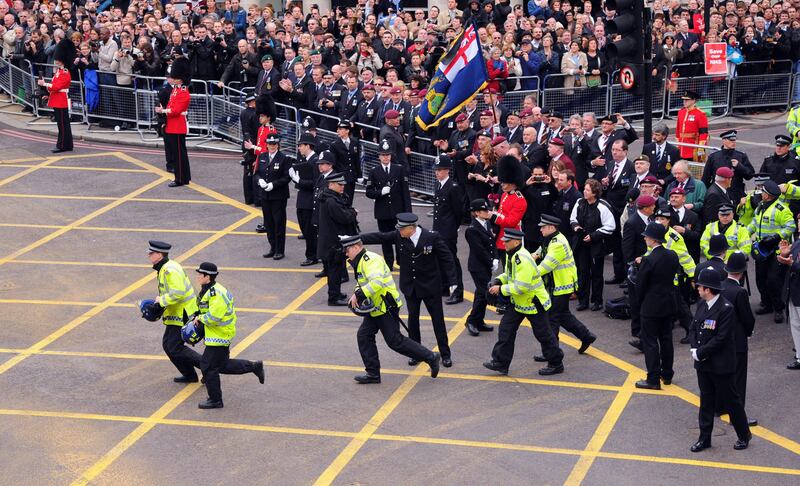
512 204
175 129
58 98
265 129
692 127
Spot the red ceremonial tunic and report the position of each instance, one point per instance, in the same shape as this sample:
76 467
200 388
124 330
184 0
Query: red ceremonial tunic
59 89
264 131
509 214
692 128
176 110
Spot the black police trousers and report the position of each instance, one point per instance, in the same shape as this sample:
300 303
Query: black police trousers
503 351
656 337
215 361
249 185
389 327
385 225
452 245
590 275
177 156
560 316
274 212
183 357
334 267
478 312
720 387
434 305
770 276
309 232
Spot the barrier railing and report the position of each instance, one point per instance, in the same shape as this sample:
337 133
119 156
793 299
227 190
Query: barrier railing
576 99
76 95
765 89
21 83
713 90
629 104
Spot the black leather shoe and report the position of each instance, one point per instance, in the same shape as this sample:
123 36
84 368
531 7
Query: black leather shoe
495 366
472 330
301 237
763 310
794 365
742 444
337 302
278 256
551 370
615 280
636 344
752 422
412 362
667 381
778 317
210 404
174 184
185 379
269 254
447 362
485 328
685 339
434 364
456 298
261 229
58 151
539 358
700 445
320 274
367 379
309 262
582 307
259 371
171 170
585 344
647 385
596 307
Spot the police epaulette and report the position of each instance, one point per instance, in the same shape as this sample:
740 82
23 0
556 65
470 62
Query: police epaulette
517 260
674 236
212 292
779 207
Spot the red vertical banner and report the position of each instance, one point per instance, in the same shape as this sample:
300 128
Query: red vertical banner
716 58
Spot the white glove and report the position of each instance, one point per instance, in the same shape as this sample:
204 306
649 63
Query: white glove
694 354
262 183
292 172
361 180
386 190
495 264
453 288
268 187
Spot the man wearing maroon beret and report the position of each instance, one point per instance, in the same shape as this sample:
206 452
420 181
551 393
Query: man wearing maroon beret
391 131
718 194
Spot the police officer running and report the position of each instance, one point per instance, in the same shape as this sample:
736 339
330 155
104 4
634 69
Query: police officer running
176 296
376 299
217 316
523 284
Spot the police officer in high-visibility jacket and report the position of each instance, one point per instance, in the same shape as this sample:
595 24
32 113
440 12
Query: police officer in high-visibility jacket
683 280
737 235
377 299
58 95
217 316
176 296
746 207
176 127
773 221
793 127
529 300
560 275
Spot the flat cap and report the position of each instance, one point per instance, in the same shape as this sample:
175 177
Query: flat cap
549 219
158 246
406 219
512 234
207 268
348 240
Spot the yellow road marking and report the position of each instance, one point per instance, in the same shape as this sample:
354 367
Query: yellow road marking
66 167
23 173
144 265
114 298
135 230
111 198
20 161
406 438
368 430
602 432
126 443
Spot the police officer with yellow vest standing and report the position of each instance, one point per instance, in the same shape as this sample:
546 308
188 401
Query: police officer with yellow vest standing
561 279
376 298
217 316
176 296
772 222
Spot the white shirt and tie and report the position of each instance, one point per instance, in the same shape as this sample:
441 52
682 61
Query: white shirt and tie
415 237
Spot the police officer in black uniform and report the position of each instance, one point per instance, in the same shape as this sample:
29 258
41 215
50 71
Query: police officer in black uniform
424 259
336 217
783 166
304 173
346 151
249 123
324 169
482 261
387 184
728 156
273 179
713 349
448 211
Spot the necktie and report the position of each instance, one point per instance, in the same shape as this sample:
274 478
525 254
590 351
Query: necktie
347 143
614 174
387 169
660 152
603 142
683 185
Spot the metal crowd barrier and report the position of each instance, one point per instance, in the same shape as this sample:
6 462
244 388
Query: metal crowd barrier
628 104
713 90
19 83
576 99
760 91
76 95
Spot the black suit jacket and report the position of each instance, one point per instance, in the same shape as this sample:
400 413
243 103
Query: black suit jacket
562 207
627 134
275 172
632 240
268 84
715 197
399 198
712 334
367 112
482 248
449 206
743 318
347 107
309 173
347 160
694 230
661 167
655 285
617 191
421 266
516 136
578 150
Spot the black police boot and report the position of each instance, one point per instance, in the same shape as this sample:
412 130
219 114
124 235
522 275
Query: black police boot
455 298
472 330
495 366
209 403
586 343
485 328
258 370
551 370
367 379
434 364
185 379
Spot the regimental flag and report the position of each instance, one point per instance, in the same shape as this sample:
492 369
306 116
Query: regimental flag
460 75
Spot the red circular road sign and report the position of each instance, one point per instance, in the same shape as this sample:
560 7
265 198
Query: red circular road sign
626 77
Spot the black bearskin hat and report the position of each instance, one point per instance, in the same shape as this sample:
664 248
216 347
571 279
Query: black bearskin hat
181 69
509 171
65 52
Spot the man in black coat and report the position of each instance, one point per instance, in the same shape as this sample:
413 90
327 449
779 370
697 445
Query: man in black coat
268 78
655 287
249 124
423 258
391 132
717 248
305 174
347 157
718 194
459 147
482 261
685 221
540 196
513 130
387 184
662 154
449 206
336 217
566 197
783 166
713 348
744 320
273 179
735 160
577 147
617 183
633 248
367 113
602 155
